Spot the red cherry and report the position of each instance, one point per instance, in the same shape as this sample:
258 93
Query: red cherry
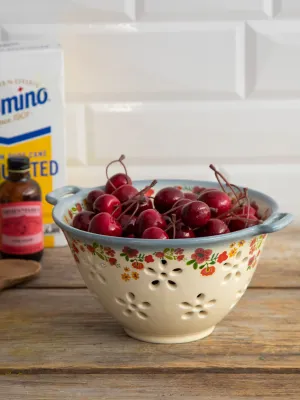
190 195
165 199
154 233
146 204
217 200
116 181
131 235
244 210
237 225
125 193
198 189
147 219
105 224
82 219
214 227
108 203
128 224
195 214
92 196
184 232
181 203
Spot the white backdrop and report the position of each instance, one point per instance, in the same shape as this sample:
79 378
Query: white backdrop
176 85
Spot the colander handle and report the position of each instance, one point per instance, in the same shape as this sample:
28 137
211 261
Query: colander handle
57 194
280 221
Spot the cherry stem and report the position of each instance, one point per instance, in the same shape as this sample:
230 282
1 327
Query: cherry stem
174 208
120 160
218 175
172 224
136 199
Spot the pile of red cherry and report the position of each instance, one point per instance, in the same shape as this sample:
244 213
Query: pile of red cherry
122 210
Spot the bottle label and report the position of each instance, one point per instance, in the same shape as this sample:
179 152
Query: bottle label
21 227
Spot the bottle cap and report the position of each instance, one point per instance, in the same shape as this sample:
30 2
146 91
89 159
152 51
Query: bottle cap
18 164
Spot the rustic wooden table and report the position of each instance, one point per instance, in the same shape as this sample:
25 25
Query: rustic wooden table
56 342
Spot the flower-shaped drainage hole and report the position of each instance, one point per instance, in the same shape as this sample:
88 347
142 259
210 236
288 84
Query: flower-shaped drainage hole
238 275
239 294
161 276
238 256
132 307
227 265
97 276
244 260
199 308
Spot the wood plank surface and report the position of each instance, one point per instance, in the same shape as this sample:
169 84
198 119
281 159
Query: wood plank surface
279 265
204 386
67 331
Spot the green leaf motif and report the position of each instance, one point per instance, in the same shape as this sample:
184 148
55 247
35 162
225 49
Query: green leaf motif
95 245
100 256
126 258
203 265
166 250
190 262
195 266
212 262
169 258
122 254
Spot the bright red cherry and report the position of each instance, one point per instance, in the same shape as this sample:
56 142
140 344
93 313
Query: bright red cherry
144 204
195 214
108 203
180 203
244 210
237 225
154 233
92 196
82 219
198 189
190 195
116 181
125 193
214 227
128 224
165 199
105 224
148 219
217 200
184 232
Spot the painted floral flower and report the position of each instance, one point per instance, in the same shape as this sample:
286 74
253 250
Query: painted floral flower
233 252
178 251
70 214
180 258
208 271
75 249
135 275
179 187
76 258
201 255
130 252
159 254
110 252
252 250
125 277
149 259
232 245
222 257
112 261
253 241
90 248
126 269
252 262
78 206
137 265
241 243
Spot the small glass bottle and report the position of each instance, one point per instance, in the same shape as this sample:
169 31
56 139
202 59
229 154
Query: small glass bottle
21 224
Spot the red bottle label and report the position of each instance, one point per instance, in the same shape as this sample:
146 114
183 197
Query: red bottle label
21 227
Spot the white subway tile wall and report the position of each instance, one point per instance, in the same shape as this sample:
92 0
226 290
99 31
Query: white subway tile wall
176 85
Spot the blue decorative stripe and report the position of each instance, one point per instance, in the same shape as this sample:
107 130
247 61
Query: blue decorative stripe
25 136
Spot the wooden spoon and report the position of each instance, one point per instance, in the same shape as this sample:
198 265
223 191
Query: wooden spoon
15 271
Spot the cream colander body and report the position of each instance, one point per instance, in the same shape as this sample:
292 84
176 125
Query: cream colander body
166 291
